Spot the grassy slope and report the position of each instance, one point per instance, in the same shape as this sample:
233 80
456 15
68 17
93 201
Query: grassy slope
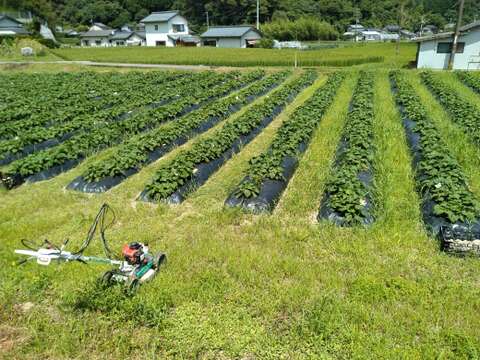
14 54
237 284
241 57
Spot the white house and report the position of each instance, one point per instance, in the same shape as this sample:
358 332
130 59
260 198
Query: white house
96 38
434 50
231 36
371 35
165 28
112 38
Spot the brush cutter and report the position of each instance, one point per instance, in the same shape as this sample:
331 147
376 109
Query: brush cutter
137 266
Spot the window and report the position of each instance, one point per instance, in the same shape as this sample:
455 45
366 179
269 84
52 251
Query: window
160 43
178 28
210 43
98 42
446 48
86 42
156 27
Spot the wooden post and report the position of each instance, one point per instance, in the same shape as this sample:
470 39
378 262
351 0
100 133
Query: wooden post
457 34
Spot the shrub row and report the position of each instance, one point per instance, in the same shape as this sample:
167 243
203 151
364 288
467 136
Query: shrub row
134 154
119 109
177 173
440 179
461 111
291 139
84 144
348 196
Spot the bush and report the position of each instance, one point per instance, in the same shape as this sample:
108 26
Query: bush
304 29
48 43
265 43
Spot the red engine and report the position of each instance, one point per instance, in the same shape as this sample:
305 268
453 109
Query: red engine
133 253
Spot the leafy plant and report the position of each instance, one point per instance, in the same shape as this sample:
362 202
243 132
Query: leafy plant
134 153
294 131
99 138
175 174
112 107
345 193
461 111
439 176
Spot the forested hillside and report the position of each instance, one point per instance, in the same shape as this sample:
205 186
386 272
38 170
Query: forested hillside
409 13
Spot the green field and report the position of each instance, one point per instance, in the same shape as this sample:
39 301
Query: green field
239 285
353 54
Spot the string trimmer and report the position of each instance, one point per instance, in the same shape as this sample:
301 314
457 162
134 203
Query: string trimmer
137 266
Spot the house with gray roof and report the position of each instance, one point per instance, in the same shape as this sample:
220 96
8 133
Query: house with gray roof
166 28
96 38
11 27
113 38
434 50
231 36
128 38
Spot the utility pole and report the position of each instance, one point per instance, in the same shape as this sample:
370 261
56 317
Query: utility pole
208 22
258 14
455 37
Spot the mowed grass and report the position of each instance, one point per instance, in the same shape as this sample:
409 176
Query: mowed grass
243 286
355 54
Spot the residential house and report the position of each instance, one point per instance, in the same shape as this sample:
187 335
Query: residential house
371 35
354 32
96 38
434 50
231 36
166 28
112 38
11 27
127 38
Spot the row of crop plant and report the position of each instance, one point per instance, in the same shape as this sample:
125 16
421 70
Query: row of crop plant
134 90
472 80
349 194
450 210
19 96
461 111
39 137
54 97
143 149
48 163
269 173
174 181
